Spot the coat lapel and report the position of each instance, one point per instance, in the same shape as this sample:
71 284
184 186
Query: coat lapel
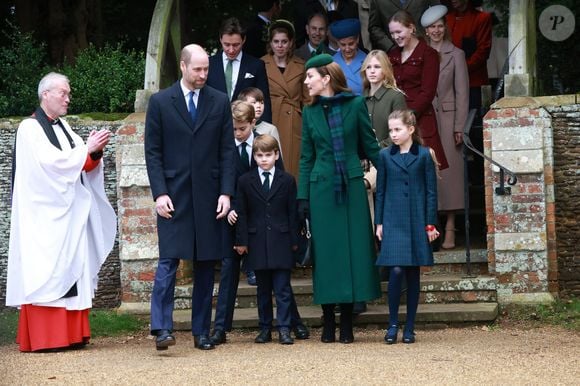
411 156
257 184
241 74
276 182
180 106
204 104
446 58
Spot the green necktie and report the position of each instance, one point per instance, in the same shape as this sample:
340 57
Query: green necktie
244 154
229 69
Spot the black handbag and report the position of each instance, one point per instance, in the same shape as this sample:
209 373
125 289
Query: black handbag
304 252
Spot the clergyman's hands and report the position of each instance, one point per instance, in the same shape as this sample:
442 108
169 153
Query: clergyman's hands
223 206
97 140
164 206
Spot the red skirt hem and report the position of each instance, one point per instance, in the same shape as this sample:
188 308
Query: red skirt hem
44 328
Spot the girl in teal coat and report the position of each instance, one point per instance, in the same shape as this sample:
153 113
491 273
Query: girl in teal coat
331 188
405 214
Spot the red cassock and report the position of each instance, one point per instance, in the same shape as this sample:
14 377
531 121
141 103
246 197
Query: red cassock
418 77
471 31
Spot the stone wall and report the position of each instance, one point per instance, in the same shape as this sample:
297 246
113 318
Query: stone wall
109 290
528 252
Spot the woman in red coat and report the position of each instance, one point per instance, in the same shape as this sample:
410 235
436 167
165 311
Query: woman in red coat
416 68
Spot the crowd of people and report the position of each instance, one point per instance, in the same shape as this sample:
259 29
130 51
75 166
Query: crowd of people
287 121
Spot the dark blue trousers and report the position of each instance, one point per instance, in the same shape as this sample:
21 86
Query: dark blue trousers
277 281
163 295
226 301
228 290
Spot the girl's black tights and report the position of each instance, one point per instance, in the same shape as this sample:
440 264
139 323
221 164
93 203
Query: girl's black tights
396 275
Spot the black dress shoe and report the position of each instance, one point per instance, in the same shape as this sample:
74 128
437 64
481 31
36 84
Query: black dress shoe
164 339
203 342
301 332
218 337
285 338
264 336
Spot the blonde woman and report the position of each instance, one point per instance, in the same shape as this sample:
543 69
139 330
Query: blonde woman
381 93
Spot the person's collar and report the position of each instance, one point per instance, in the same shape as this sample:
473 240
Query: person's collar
311 48
249 140
271 171
185 90
237 58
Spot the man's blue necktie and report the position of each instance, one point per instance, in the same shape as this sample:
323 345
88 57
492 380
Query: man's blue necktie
192 109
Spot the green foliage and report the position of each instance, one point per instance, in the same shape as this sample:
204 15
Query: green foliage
105 79
103 323
22 63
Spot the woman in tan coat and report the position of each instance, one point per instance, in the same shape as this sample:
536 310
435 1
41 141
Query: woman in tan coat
451 105
285 79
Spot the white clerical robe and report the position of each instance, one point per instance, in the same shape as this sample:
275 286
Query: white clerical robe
62 229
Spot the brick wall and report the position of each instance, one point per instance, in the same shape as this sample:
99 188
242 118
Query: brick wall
531 251
566 129
109 290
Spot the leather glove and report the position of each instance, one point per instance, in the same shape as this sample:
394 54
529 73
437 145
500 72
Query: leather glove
303 209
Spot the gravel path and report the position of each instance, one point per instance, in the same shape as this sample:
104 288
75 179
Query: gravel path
471 355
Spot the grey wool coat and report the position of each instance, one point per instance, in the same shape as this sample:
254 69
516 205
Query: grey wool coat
406 202
342 235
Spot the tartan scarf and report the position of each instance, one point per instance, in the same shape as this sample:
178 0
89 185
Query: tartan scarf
334 117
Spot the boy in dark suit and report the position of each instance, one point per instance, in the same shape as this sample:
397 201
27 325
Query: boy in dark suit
267 231
244 124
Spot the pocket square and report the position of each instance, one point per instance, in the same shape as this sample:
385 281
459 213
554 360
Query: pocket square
248 76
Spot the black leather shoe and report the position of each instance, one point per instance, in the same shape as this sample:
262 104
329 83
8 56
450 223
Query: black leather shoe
301 332
203 342
164 339
218 337
264 336
285 338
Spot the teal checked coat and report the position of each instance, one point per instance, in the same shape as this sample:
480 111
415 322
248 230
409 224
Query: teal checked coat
406 203
342 234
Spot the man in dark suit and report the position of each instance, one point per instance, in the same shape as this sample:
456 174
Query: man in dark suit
232 70
189 152
257 29
316 29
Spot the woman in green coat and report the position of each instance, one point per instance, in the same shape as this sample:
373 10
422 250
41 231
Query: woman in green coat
331 190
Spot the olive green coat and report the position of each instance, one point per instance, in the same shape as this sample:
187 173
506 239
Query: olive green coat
342 234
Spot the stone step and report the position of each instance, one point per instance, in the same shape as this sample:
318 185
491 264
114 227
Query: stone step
376 315
435 288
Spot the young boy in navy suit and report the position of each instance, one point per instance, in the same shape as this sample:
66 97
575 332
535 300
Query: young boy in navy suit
244 124
267 231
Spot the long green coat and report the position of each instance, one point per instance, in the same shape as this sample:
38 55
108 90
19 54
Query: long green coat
342 234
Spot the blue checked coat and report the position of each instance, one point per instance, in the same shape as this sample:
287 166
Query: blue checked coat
406 202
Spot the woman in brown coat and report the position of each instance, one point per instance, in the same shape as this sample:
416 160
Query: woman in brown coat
285 79
451 105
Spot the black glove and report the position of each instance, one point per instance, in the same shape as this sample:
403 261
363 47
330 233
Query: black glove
303 209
